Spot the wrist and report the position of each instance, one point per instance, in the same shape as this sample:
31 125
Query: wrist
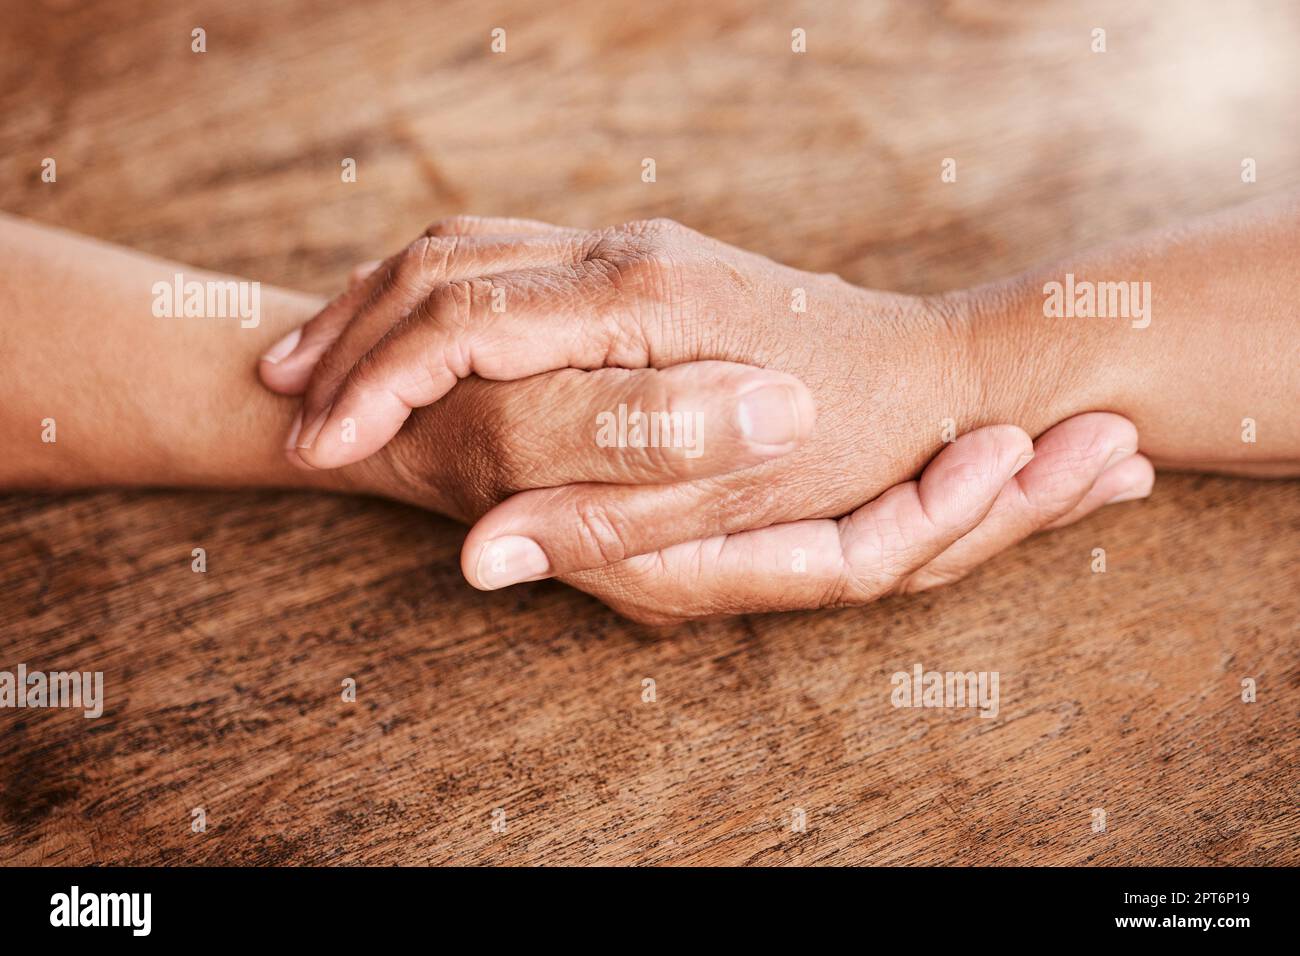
1020 367
205 419
265 417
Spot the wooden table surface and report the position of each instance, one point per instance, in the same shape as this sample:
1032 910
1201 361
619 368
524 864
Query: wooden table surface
1119 691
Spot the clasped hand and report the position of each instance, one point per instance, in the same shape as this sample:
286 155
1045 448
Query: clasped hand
538 383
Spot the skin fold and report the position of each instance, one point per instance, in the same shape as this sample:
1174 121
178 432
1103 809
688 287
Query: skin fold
806 496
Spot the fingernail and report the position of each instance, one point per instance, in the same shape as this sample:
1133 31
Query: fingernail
1118 455
1024 459
1131 495
283 348
769 415
293 432
510 559
308 436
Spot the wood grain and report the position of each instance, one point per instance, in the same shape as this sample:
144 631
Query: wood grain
1119 690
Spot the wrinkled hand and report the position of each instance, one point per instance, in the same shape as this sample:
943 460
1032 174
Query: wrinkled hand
688 324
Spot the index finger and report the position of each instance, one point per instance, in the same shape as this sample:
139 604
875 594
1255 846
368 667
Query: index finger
502 328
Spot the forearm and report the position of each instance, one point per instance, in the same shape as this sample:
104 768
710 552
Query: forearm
135 398
1210 338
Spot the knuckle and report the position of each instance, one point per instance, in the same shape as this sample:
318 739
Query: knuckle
1051 496
424 258
850 588
453 226
1080 458
875 560
522 457
973 473
409 267
645 259
601 535
653 269
1060 483
667 433
650 273
451 304
655 226
642 237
